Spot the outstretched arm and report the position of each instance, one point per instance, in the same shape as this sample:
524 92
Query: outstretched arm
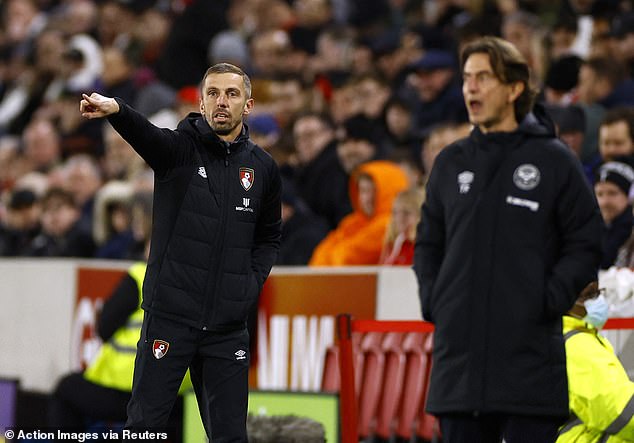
158 147
97 106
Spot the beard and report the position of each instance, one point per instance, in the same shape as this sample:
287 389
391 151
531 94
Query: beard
223 128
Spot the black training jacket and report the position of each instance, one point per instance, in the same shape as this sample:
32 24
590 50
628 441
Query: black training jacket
215 236
510 234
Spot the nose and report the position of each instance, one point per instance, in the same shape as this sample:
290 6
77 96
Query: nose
470 84
221 101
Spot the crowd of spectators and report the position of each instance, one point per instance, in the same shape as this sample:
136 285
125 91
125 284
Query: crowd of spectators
337 84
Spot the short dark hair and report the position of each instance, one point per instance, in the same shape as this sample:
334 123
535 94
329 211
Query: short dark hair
223 68
508 65
620 114
608 68
324 117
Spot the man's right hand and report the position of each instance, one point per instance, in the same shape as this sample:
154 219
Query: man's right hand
97 106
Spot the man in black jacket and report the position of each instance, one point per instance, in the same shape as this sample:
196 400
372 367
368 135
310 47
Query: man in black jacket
509 236
216 235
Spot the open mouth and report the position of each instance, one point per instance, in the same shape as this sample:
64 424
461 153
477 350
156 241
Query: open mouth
474 105
221 116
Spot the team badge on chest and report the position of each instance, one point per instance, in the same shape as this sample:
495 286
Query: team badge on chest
247 176
159 348
526 177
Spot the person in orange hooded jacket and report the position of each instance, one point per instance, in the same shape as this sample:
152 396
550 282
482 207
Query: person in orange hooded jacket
358 239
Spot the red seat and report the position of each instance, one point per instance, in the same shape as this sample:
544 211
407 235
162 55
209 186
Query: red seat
392 384
371 377
428 427
330 380
414 386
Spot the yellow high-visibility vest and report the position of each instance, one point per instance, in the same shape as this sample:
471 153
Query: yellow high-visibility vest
601 395
114 365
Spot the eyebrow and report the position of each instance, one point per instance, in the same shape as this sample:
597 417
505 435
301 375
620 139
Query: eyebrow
229 89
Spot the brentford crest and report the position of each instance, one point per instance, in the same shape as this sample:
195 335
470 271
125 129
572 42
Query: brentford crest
247 176
159 348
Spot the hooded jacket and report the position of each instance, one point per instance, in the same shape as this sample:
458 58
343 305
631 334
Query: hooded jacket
358 239
601 392
509 236
216 220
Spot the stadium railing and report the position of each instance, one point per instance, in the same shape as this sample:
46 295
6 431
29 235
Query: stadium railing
348 397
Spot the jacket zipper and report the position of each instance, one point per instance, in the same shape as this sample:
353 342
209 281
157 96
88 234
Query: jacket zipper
223 228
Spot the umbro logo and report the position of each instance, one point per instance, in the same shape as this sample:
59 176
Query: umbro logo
241 354
202 172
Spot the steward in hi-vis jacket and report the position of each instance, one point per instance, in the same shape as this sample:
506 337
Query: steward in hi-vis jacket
601 393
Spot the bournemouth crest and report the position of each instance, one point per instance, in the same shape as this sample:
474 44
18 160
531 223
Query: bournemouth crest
159 348
247 176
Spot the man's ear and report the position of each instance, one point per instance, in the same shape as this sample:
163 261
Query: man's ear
517 89
202 106
248 106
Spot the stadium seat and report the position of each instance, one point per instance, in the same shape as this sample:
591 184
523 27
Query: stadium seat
428 428
371 377
416 364
392 384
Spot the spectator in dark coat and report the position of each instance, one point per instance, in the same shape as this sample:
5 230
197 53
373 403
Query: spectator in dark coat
439 95
319 178
21 224
612 188
62 233
301 229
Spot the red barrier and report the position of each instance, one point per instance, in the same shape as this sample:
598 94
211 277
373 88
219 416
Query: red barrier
346 326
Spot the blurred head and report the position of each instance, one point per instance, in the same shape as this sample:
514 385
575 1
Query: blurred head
398 118
359 143
406 211
433 72
520 28
612 188
438 139
117 66
366 194
312 132
598 76
59 212
288 98
42 144
83 177
23 210
373 91
616 134
495 84
120 161
571 125
226 99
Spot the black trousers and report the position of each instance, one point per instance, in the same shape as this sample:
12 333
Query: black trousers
76 402
491 428
219 369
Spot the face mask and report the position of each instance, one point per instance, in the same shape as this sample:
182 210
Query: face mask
596 311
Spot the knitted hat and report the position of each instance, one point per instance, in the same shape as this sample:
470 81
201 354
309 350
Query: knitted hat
563 73
621 174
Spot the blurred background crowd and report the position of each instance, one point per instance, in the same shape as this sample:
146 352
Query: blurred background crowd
354 99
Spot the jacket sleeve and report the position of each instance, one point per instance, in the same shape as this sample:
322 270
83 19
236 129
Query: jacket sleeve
118 307
601 393
579 223
157 146
429 250
268 229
